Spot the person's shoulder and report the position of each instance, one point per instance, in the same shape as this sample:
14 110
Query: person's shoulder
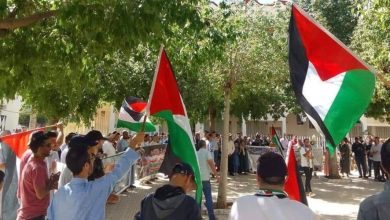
189 200
368 203
248 198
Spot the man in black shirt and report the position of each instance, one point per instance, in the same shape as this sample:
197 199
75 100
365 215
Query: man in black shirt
360 157
170 201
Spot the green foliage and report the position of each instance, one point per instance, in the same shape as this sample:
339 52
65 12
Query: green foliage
66 65
372 42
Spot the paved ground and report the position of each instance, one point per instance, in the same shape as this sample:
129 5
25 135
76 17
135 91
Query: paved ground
335 200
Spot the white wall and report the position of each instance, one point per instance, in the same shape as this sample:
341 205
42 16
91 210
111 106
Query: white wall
11 111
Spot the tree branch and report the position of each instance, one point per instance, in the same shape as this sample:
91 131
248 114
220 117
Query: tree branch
10 23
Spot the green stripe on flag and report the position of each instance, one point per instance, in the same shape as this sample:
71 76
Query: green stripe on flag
275 140
350 103
135 126
183 148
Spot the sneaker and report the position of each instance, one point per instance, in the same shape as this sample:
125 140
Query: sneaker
311 194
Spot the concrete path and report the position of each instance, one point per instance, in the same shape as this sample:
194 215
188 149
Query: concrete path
335 199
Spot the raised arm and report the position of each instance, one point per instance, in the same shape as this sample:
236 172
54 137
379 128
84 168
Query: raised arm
124 164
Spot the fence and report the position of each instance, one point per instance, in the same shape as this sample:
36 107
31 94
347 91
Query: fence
147 165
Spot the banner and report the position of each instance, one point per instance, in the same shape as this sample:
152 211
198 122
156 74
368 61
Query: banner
151 161
148 165
254 152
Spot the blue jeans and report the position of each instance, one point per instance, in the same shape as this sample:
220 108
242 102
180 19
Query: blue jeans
209 199
235 162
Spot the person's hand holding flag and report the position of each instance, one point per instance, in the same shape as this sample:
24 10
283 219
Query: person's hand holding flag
136 141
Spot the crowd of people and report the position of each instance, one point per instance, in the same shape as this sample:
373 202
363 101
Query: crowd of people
365 155
82 188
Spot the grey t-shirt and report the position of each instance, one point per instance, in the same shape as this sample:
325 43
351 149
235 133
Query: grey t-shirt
203 157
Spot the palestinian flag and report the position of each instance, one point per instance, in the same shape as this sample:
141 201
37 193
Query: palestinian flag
332 85
294 186
165 101
19 142
276 141
132 115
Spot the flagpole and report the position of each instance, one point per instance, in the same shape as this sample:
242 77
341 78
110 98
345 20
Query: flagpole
35 129
143 123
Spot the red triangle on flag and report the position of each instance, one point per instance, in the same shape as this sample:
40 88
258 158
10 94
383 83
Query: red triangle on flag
18 142
293 185
165 94
329 55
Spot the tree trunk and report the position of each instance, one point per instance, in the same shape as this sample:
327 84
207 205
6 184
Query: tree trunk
33 121
212 115
333 166
221 201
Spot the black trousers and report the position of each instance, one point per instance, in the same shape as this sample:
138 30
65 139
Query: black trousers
370 166
378 170
361 165
308 174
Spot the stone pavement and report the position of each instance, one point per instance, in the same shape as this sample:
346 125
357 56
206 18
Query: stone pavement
335 199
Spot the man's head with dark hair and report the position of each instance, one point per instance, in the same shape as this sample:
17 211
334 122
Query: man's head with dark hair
357 139
79 159
76 159
97 137
39 139
69 136
52 135
202 144
271 169
385 156
183 176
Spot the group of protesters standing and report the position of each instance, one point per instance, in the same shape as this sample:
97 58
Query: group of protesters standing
366 157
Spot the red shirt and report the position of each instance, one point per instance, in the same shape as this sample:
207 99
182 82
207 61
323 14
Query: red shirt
34 175
26 156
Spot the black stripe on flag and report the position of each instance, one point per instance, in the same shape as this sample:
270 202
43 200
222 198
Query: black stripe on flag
135 115
299 65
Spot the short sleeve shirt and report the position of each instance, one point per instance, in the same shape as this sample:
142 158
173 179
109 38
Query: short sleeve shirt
34 176
203 157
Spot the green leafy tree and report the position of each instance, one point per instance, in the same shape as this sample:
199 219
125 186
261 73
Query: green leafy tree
56 52
250 73
371 40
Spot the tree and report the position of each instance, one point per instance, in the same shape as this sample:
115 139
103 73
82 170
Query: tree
371 40
250 73
51 50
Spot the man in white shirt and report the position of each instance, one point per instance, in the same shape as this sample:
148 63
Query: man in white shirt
109 150
306 153
376 158
233 156
65 148
206 166
270 202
